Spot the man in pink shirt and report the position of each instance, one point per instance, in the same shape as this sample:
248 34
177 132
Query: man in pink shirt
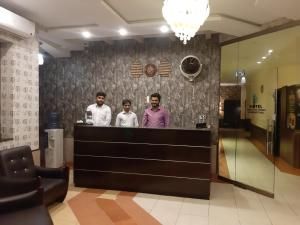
156 116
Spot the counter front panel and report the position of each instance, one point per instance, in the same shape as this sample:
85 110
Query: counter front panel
160 161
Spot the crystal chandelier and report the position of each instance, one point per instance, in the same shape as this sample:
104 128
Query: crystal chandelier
185 16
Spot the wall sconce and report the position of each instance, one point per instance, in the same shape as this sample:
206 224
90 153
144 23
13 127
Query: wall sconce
241 76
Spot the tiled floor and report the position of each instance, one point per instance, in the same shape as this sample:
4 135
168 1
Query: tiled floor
248 165
228 205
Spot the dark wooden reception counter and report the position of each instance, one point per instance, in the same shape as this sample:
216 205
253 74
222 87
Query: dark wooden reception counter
160 161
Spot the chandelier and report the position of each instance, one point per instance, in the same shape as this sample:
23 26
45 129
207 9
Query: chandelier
185 16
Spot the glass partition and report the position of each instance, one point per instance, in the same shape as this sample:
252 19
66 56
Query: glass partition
229 95
267 128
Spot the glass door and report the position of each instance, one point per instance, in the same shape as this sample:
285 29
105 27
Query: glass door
254 146
247 115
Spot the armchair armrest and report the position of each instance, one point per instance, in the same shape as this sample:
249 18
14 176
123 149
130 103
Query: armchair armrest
14 186
62 172
25 200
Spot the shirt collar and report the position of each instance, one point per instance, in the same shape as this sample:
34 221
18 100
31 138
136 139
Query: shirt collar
126 112
159 108
99 106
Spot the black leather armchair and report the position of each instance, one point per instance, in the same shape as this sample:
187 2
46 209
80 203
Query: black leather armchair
18 163
21 202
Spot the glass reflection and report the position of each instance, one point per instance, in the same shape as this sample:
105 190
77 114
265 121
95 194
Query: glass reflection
265 69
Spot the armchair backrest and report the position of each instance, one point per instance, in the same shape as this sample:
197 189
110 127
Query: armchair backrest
17 162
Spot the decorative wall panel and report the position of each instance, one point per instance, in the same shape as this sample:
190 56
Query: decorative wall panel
19 73
68 86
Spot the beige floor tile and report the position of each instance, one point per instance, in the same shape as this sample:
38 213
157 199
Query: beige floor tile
146 201
64 222
223 211
197 207
72 194
184 219
168 204
165 217
279 211
109 194
223 220
248 216
62 212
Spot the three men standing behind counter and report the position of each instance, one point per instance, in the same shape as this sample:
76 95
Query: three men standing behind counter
154 117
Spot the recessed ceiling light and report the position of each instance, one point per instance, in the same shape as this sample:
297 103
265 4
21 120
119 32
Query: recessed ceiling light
259 62
164 29
122 32
270 51
86 34
264 57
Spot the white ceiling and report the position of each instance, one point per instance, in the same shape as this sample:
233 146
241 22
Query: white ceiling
60 22
244 55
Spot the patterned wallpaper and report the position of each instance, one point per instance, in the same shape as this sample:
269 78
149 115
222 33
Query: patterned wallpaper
69 85
19 91
6 116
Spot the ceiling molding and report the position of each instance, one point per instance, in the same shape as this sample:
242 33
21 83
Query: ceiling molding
108 41
213 17
113 10
139 39
66 27
229 84
172 37
129 22
53 50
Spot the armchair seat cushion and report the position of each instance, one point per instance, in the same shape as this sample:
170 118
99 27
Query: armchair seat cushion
53 189
21 202
38 215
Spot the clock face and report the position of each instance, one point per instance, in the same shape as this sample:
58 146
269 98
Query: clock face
150 70
190 65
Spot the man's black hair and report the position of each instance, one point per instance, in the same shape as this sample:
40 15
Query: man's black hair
100 93
126 101
156 95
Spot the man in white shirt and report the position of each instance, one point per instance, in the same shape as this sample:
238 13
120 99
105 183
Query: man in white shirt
101 113
126 118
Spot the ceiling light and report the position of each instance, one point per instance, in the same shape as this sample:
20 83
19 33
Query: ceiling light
264 57
185 17
164 29
270 51
259 62
243 80
86 34
122 32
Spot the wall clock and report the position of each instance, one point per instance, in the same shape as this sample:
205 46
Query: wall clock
190 67
150 70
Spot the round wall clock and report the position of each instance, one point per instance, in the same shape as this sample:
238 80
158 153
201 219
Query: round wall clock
150 70
190 67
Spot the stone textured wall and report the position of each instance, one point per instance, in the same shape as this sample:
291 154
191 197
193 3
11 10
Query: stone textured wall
69 85
228 92
19 91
